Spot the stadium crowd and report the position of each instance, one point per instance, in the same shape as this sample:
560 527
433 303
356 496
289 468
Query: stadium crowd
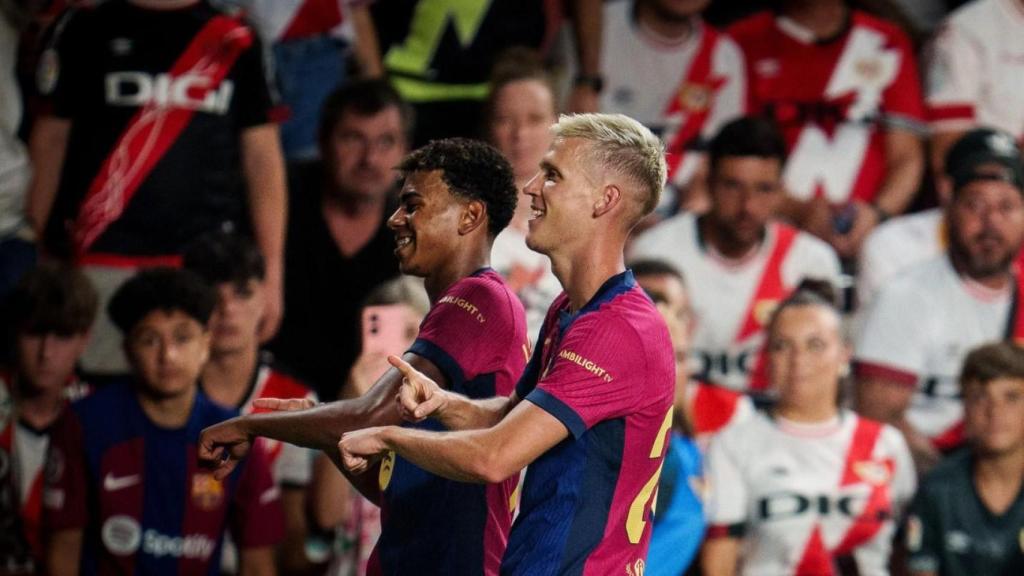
524 287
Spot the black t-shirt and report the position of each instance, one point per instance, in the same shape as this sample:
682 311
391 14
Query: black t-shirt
319 337
952 533
105 65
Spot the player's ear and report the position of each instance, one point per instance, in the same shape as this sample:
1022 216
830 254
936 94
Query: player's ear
609 198
474 215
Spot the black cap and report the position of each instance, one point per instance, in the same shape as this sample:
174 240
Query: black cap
985 154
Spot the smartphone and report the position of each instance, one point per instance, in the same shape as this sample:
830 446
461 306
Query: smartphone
384 329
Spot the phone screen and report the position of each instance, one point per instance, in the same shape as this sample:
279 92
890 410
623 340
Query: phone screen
384 329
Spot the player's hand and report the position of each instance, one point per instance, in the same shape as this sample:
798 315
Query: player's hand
223 445
282 404
360 448
865 220
419 397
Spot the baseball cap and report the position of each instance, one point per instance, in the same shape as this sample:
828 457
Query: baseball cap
985 154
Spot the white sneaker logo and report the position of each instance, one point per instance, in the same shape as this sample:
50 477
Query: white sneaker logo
113 483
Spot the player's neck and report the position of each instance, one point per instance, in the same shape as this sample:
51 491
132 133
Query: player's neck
168 412
227 376
807 414
39 408
461 264
666 30
998 478
582 275
824 18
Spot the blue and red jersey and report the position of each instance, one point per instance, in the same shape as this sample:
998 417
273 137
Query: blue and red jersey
137 493
476 335
607 372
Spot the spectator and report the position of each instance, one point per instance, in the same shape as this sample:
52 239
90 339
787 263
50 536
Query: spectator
709 409
237 374
741 262
968 515
336 506
908 354
843 87
126 491
811 488
692 81
971 81
339 246
17 251
520 111
439 57
158 133
679 524
52 310
311 43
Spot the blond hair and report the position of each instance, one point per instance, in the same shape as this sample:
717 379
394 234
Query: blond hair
622 144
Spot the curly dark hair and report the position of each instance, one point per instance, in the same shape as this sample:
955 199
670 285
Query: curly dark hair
166 289
473 170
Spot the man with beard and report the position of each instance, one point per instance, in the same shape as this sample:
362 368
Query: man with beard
339 246
740 261
923 323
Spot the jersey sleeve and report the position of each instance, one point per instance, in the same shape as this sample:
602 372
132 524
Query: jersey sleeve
63 64
257 519
66 492
902 102
890 345
253 98
582 386
726 506
467 332
923 533
954 82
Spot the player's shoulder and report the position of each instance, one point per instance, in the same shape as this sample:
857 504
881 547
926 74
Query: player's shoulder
209 412
808 244
920 280
746 435
618 15
110 396
908 227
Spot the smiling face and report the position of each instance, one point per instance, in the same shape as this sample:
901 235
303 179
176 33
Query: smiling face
425 223
167 351
562 197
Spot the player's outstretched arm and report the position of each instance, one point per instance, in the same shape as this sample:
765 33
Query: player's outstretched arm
420 398
223 445
485 456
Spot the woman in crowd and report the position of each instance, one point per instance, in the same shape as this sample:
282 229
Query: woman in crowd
809 488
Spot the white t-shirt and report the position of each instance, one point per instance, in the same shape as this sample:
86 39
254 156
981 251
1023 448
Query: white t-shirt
729 308
645 75
806 494
897 245
917 332
528 274
975 68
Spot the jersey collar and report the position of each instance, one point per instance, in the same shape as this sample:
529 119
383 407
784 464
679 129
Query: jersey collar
612 287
